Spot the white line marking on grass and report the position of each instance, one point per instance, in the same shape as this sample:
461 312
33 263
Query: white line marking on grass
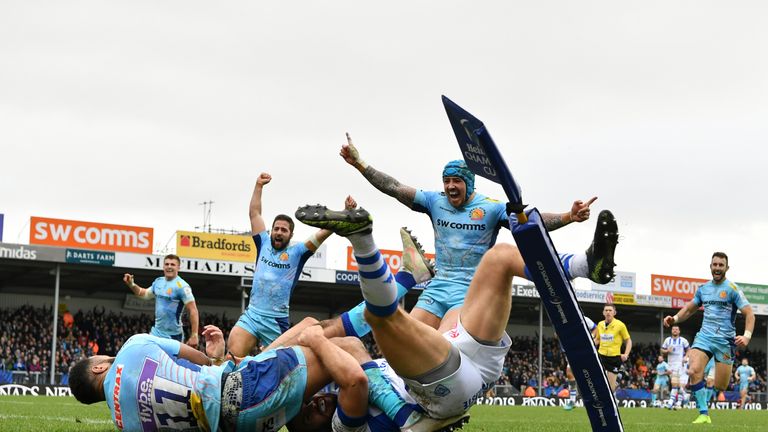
16 402
60 419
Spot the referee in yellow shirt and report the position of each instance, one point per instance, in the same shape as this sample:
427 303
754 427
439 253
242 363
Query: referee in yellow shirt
611 334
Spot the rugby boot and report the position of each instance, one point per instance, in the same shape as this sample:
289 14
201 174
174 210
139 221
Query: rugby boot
428 424
342 222
600 252
702 418
414 261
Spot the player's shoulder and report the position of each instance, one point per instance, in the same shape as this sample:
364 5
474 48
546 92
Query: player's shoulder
732 285
179 282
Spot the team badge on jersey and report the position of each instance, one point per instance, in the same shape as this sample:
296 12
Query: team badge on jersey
723 294
477 214
284 256
169 291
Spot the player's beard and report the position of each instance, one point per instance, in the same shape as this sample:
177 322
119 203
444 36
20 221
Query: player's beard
275 246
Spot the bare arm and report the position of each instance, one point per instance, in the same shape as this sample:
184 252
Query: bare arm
627 349
579 213
193 355
194 321
749 326
686 312
137 290
343 368
381 181
254 209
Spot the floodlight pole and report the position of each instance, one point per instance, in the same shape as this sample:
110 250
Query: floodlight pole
55 324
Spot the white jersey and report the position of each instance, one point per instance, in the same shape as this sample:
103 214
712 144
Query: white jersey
677 347
590 324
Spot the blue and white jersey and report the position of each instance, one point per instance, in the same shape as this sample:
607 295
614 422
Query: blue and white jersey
744 373
390 406
677 347
590 324
720 301
170 298
462 235
275 276
661 371
148 388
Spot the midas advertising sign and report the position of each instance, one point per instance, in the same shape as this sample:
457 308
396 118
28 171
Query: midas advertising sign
90 235
675 286
222 247
391 257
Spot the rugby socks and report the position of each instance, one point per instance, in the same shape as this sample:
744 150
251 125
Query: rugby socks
575 266
654 395
700 393
673 396
377 283
572 391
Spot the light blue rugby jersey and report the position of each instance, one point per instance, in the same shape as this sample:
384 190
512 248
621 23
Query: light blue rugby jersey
744 373
170 298
148 388
720 301
275 275
660 369
462 235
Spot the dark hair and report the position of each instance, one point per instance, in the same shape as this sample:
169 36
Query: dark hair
82 383
173 257
286 218
721 255
610 305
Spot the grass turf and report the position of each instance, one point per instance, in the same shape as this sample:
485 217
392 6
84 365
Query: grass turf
64 414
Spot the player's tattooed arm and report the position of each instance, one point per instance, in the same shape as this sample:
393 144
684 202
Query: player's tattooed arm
390 186
381 181
553 221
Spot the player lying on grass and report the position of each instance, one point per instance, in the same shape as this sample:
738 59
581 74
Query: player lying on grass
161 384
445 371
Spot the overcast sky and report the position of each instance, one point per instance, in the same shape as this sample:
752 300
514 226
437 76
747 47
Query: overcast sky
135 112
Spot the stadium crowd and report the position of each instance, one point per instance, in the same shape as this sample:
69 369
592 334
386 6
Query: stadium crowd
26 335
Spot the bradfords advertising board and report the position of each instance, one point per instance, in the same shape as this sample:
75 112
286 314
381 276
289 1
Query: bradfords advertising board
675 286
392 257
222 247
90 235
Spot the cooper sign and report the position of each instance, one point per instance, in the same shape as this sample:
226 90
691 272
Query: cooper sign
90 235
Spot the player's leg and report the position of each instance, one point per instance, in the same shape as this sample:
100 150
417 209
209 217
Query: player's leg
655 393
675 385
572 388
486 309
698 359
722 375
289 337
242 339
424 349
425 316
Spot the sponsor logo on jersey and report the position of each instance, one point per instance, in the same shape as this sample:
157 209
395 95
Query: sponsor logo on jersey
461 226
116 397
477 214
442 391
274 264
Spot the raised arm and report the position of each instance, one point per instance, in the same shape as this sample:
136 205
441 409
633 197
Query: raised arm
579 213
749 326
381 181
254 209
144 293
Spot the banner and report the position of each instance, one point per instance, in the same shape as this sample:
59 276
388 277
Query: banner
90 235
222 247
79 256
675 286
542 401
756 294
393 258
31 253
624 282
34 390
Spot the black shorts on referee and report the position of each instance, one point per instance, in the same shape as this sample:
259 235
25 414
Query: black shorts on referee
611 364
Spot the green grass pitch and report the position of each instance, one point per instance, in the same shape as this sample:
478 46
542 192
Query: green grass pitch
55 414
